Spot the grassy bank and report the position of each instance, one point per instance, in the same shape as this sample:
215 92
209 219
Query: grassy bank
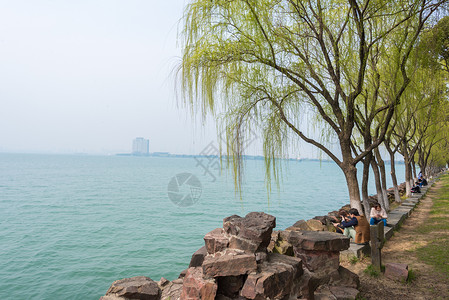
423 244
436 251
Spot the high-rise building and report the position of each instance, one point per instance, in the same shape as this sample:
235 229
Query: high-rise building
141 146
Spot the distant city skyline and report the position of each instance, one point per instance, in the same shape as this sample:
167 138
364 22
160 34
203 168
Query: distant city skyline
140 146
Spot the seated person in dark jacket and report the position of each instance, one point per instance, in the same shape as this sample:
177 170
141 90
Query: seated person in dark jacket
347 224
343 216
415 188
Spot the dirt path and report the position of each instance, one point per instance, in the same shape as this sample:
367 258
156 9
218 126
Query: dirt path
401 248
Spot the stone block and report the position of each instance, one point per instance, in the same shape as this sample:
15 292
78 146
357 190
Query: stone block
344 277
283 247
195 287
316 225
255 226
319 261
316 240
249 246
172 290
232 263
276 279
299 225
395 271
216 241
198 257
140 287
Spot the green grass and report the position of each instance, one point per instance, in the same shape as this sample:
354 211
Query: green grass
371 271
411 276
353 260
436 252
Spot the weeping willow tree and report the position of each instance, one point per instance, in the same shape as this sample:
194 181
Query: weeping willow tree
265 65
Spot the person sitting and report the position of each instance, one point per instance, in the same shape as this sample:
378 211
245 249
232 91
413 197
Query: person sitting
415 188
424 182
344 217
362 229
378 214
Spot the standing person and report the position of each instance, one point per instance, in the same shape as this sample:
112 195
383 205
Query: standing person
378 214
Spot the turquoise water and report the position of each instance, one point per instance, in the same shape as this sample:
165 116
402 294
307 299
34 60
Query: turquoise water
71 225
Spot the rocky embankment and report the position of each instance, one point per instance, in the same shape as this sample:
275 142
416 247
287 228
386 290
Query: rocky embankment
246 259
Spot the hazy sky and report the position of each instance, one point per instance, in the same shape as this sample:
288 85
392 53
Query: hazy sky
90 76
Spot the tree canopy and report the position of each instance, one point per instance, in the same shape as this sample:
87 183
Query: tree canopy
264 65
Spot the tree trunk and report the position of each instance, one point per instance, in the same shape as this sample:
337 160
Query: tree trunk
408 188
375 168
414 169
350 172
397 197
365 180
383 178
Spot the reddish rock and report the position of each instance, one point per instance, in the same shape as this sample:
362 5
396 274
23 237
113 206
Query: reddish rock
319 261
261 257
249 246
344 277
195 287
140 287
344 293
299 225
274 239
255 226
277 278
198 257
163 282
232 263
323 293
182 274
283 247
172 290
316 240
216 241
315 225
395 271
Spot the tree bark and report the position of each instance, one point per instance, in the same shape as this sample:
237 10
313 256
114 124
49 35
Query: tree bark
365 180
383 178
375 169
394 179
408 188
350 172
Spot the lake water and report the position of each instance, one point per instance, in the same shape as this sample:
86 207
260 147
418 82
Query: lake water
70 225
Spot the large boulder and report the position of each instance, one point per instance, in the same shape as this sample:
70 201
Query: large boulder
254 228
198 257
316 225
231 263
396 271
344 277
216 241
277 277
140 287
299 226
195 287
316 240
172 290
